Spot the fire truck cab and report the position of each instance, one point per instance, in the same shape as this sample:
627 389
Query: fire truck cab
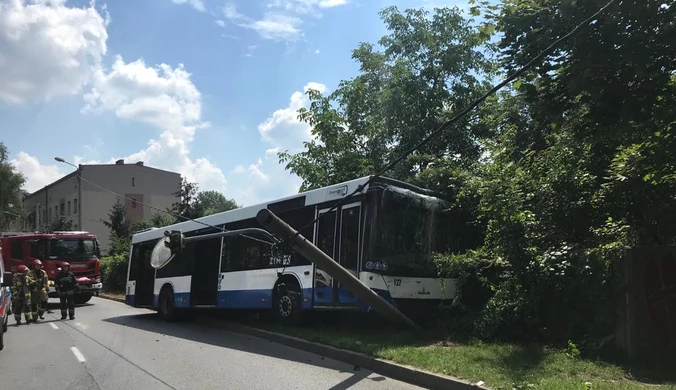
80 249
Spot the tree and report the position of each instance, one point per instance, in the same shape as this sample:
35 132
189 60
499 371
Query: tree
581 164
186 206
158 220
429 67
60 224
212 202
117 221
120 229
11 193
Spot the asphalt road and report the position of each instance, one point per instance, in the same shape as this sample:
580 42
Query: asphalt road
112 346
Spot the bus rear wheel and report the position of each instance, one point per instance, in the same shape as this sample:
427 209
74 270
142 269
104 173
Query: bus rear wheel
286 303
167 310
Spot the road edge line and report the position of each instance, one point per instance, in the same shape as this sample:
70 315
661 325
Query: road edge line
393 370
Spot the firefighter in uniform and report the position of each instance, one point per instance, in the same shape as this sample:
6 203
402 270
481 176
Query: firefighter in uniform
39 295
21 295
66 285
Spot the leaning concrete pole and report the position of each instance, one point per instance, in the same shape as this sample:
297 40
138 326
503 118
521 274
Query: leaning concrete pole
301 245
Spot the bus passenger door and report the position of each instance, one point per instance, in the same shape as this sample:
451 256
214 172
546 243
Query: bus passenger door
348 242
325 236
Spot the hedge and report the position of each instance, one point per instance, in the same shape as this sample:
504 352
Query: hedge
114 272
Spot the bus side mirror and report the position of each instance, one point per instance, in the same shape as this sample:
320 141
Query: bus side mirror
7 279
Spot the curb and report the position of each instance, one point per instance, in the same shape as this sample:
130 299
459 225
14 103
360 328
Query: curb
110 298
399 372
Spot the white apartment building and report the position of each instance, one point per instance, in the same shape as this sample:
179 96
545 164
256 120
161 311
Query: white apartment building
86 205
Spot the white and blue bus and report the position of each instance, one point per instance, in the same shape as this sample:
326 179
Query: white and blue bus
386 235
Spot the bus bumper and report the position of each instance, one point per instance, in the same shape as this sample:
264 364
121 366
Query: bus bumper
92 289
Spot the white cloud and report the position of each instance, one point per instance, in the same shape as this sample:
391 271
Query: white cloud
37 175
220 23
266 179
48 49
283 129
196 4
166 98
331 3
284 20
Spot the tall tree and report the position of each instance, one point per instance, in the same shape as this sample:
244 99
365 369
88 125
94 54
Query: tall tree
11 181
157 220
117 221
186 206
60 224
212 202
429 67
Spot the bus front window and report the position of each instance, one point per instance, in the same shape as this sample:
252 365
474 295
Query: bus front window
409 229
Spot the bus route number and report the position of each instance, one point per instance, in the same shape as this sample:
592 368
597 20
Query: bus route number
283 261
397 282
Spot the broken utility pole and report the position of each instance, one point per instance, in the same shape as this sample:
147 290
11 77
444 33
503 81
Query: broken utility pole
299 243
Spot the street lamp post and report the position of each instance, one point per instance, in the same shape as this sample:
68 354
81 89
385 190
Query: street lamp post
79 188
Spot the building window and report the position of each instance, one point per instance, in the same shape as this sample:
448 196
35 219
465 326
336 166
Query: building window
63 208
56 212
74 206
133 203
132 182
69 207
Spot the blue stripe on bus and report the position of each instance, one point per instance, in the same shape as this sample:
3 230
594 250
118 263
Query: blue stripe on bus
254 299
181 300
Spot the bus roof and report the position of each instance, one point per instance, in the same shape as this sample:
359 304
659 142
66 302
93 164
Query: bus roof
312 197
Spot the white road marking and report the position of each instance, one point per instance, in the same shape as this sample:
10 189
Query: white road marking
53 325
80 357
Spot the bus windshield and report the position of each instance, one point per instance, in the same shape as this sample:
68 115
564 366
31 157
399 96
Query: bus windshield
409 229
72 248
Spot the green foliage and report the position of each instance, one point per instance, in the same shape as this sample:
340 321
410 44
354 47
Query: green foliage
195 204
429 66
186 206
117 221
60 224
114 272
157 220
11 181
212 202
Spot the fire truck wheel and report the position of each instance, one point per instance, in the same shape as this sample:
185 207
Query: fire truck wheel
82 299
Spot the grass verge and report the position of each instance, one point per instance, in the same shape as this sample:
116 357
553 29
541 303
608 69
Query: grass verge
499 365
115 296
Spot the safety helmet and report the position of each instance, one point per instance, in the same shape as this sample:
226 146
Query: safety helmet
22 268
37 262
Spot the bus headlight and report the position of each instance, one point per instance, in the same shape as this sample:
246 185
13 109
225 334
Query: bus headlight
97 279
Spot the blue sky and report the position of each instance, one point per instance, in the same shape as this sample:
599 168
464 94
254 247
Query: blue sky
205 88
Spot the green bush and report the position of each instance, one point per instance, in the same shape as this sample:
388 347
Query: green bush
114 272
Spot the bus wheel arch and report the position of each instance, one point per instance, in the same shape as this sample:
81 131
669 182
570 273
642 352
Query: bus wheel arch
286 300
166 308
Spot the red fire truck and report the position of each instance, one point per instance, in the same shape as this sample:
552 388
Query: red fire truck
80 249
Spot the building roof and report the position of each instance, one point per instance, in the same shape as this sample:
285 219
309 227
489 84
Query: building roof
74 173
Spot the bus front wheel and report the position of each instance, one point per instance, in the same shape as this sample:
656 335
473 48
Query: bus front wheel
167 311
286 303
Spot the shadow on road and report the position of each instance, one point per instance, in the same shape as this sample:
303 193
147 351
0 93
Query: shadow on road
222 338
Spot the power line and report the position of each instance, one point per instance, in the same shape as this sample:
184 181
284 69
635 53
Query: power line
460 114
177 216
